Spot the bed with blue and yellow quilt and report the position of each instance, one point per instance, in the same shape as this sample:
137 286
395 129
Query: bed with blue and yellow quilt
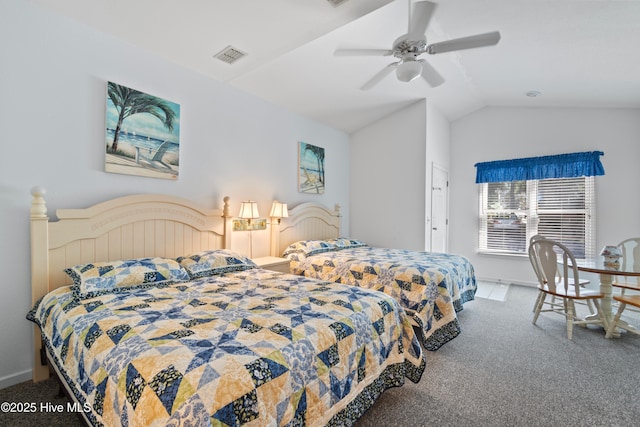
431 287
181 331
211 340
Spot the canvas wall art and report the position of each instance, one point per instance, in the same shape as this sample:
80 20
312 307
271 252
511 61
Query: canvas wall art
310 168
142 134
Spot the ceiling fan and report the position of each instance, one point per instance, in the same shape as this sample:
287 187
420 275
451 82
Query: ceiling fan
408 47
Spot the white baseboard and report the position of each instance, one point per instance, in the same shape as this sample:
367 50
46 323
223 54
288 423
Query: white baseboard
14 379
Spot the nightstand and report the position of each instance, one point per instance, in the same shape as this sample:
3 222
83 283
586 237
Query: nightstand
273 263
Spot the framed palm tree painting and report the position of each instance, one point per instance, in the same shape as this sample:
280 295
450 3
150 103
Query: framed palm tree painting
310 168
142 134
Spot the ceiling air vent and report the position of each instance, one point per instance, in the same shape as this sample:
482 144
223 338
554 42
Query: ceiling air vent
229 55
336 3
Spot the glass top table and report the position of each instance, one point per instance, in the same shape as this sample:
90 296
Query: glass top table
597 265
606 272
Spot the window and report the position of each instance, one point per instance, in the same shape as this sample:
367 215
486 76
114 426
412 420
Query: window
561 209
548 195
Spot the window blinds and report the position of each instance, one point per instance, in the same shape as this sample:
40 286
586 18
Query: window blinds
548 195
560 209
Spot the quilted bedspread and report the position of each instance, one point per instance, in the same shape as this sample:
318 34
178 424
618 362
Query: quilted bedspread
252 347
430 286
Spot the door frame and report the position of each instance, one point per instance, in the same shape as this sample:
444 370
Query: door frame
435 167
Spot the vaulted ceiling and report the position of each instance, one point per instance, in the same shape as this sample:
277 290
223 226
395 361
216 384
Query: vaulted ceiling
573 53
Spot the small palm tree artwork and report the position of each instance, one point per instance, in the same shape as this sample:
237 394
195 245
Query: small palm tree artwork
310 168
142 133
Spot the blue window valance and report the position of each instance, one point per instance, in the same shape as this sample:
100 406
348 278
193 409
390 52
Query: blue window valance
544 167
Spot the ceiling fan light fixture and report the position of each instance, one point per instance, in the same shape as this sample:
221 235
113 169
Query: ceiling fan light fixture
408 71
410 46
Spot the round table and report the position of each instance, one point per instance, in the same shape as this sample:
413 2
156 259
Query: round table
626 267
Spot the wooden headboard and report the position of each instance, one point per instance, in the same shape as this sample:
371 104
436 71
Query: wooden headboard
306 221
137 226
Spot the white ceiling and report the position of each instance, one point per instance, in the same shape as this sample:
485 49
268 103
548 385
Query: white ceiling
575 52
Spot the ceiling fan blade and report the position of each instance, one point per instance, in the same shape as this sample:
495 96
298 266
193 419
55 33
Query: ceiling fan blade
420 17
470 42
430 75
362 52
379 76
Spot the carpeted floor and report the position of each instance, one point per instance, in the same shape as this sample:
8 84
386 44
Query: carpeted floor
504 371
35 405
501 371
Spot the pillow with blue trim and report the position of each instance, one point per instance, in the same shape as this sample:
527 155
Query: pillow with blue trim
99 278
345 243
218 261
308 247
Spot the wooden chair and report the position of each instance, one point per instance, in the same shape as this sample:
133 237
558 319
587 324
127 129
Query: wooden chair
583 282
630 249
624 300
543 254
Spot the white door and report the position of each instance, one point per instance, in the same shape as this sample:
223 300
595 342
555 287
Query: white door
439 208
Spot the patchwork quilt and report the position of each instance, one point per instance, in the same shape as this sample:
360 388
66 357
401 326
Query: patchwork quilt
252 347
431 287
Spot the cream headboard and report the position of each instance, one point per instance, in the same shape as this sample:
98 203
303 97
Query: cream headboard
127 227
306 221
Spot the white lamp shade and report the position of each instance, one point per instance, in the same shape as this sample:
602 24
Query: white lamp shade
408 71
279 210
249 210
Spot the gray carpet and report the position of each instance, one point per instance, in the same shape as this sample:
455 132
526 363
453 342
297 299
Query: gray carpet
504 371
501 371
33 396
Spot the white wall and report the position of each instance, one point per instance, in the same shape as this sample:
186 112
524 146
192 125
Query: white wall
388 180
438 153
506 133
53 75
391 176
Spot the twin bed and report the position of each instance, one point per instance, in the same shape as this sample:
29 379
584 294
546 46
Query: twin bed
431 287
149 319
